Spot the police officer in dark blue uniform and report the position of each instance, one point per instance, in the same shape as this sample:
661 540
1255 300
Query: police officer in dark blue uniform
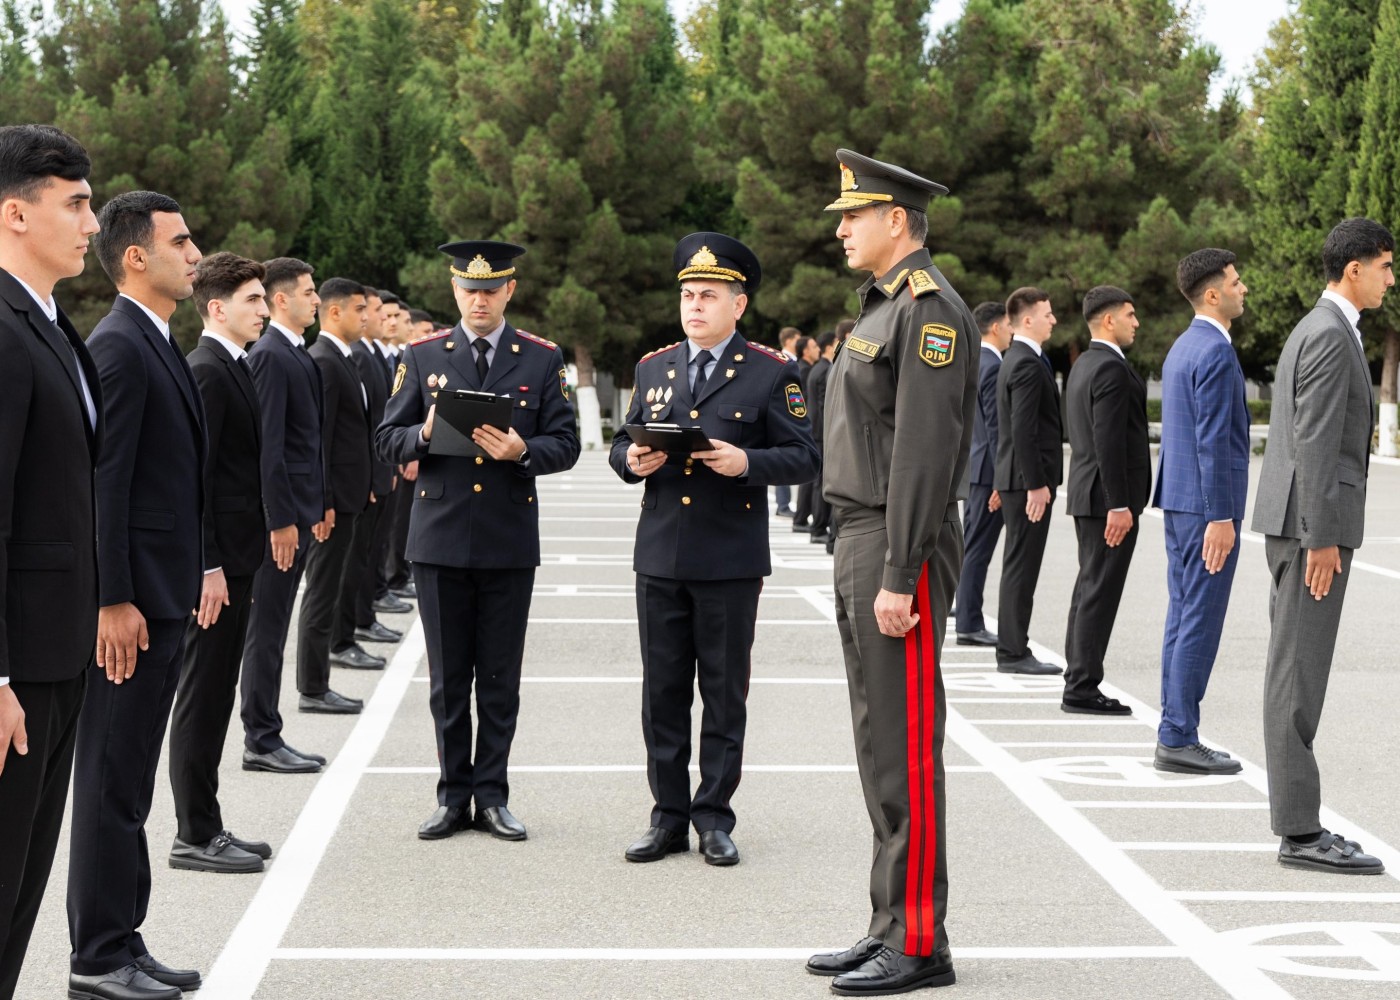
474 536
702 541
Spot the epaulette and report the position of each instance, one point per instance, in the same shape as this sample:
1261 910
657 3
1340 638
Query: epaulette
660 350
431 336
768 351
921 283
536 340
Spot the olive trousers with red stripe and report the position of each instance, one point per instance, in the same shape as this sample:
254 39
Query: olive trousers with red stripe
898 713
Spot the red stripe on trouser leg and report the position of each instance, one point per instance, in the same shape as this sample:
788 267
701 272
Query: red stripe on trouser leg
919 665
929 671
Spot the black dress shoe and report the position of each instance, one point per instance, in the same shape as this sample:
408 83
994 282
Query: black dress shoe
330 703
1097 705
259 847
356 658
1329 853
979 638
218 855
444 822
183 979
378 632
126 983
891 971
390 604
499 823
1027 664
820 537
718 848
784 512
833 963
408 592
656 843
309 756
280 761
800 528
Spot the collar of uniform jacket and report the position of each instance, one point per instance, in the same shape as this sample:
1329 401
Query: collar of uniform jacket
893 281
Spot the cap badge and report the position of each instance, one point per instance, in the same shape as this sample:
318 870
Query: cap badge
703 258
848 179
479 268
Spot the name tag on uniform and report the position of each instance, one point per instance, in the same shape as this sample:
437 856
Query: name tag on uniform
865 350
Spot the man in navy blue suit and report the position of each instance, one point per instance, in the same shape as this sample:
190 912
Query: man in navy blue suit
1201 481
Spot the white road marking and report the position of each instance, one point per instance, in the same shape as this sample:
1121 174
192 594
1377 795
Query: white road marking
632 621
1205 846
703 954
1287 897
1164 804
641 768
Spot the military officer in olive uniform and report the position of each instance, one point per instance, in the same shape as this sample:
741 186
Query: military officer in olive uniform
900 404
702 540
474 536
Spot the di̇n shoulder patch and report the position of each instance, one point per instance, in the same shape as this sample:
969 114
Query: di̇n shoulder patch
796 404
936 344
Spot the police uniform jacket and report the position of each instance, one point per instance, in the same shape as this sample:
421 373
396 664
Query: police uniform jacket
900 405
478 513
695 523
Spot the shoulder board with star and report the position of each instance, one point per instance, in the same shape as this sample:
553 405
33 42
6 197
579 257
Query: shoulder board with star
660 350
536 340
429 338
921 283
767 351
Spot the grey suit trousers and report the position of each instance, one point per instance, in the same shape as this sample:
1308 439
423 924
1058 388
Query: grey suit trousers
1301 641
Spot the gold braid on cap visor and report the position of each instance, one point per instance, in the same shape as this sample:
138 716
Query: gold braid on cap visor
480 270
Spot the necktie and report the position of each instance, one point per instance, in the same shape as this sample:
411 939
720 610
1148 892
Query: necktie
482 345
702 361
1045 360
247 371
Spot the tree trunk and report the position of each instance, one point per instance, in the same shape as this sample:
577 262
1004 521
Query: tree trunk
590 417
1387 424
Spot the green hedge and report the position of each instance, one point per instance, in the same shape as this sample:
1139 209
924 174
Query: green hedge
1258 410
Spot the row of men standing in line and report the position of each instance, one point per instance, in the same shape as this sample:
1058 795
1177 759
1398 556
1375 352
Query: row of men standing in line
814 356
1311 504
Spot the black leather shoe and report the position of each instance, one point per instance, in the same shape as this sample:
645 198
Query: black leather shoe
408 592
391 604
309 756
378 632
499 823
126 983
656 843
891 971
1194 758
1027 664
784 512
718 848
259 847
1329 853
280 761
1097 705
820 537
444 822
219 855
833 963
330 703
801 529
182 979
979 638
356 658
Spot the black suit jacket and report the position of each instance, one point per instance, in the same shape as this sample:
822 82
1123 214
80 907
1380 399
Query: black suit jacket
150 476
289 391
48 527
1030 451
982 460
235 526
346 443
816 396
371 365
1110 463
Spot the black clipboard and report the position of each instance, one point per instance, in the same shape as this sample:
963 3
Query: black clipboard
461 411
670 438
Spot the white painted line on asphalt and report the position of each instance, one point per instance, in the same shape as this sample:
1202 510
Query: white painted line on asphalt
1002 701
591 520
1052 722
695 768
632 621
1287 897
702 954
243 962
1204 846
795 681
1080 745
1165 804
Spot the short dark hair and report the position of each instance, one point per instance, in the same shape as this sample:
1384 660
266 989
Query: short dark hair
419 316
1354 239
220 275
844 328
826 339
31 156
126 222
283 274
1101 298
986 314
373 293
1201 269
915 222
388 299
801 345
339 289
1023 300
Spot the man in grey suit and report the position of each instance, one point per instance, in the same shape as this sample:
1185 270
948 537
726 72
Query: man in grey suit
1311 509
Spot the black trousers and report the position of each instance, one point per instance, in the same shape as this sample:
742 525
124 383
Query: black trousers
274 594
326 566
378 584
983 528
474 625
1020 569
802 513
821 510
396 564
203 707
357 586
1098 589
33 791
114 779
691 628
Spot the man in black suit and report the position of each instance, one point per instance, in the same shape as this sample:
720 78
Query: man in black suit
397 575
1030 464
381 600
50 420
294 492
228 292
150 505
808 354
816 402
1110 478
345 449
983 506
